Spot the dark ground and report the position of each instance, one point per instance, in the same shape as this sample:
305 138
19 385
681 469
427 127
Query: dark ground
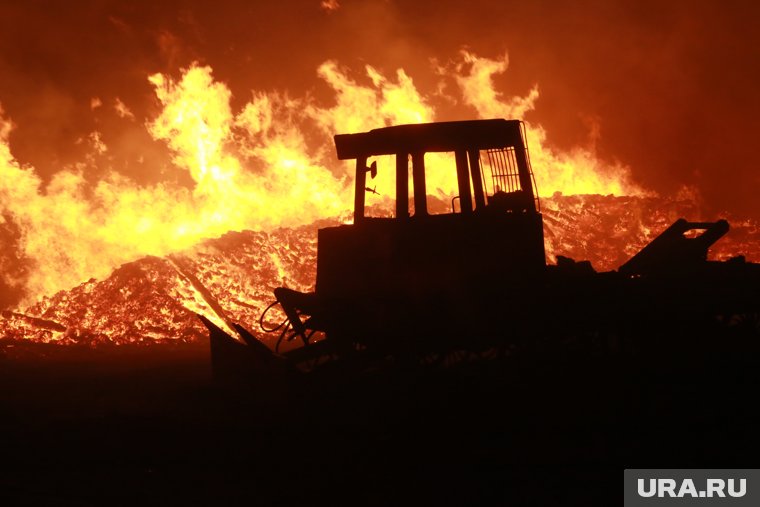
147 426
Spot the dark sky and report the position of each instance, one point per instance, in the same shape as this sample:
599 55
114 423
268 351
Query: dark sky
673 85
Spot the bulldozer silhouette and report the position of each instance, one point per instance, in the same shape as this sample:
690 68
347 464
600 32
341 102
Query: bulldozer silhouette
420 288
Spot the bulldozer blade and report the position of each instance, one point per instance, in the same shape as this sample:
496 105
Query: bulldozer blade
234 362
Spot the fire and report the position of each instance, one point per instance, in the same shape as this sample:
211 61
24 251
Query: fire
231 278
577 172
195 122
270 164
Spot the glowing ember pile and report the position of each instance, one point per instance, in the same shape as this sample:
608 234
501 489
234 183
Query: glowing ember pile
155 299
609 230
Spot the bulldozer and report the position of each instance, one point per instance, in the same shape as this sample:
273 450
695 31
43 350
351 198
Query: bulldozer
423 286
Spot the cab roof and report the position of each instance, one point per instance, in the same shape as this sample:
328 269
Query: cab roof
431 137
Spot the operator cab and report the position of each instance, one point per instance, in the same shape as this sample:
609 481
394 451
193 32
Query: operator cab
490 156
492 235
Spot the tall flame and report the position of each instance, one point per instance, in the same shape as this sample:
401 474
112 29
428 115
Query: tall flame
576 172
267 165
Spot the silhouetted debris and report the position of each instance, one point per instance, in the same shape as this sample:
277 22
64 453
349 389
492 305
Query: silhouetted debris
420 289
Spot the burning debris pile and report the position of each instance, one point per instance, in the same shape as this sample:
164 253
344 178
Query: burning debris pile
156 299
264 167
609 230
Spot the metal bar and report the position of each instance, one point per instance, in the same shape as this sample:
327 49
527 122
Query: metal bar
402 185
477 179
503 172
509 158
418 179
523 168
489 159
463 179
360 188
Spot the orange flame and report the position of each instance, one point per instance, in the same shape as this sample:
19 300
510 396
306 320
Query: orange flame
270 164
577 172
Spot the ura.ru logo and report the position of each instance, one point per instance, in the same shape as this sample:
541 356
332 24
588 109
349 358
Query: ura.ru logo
648 488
